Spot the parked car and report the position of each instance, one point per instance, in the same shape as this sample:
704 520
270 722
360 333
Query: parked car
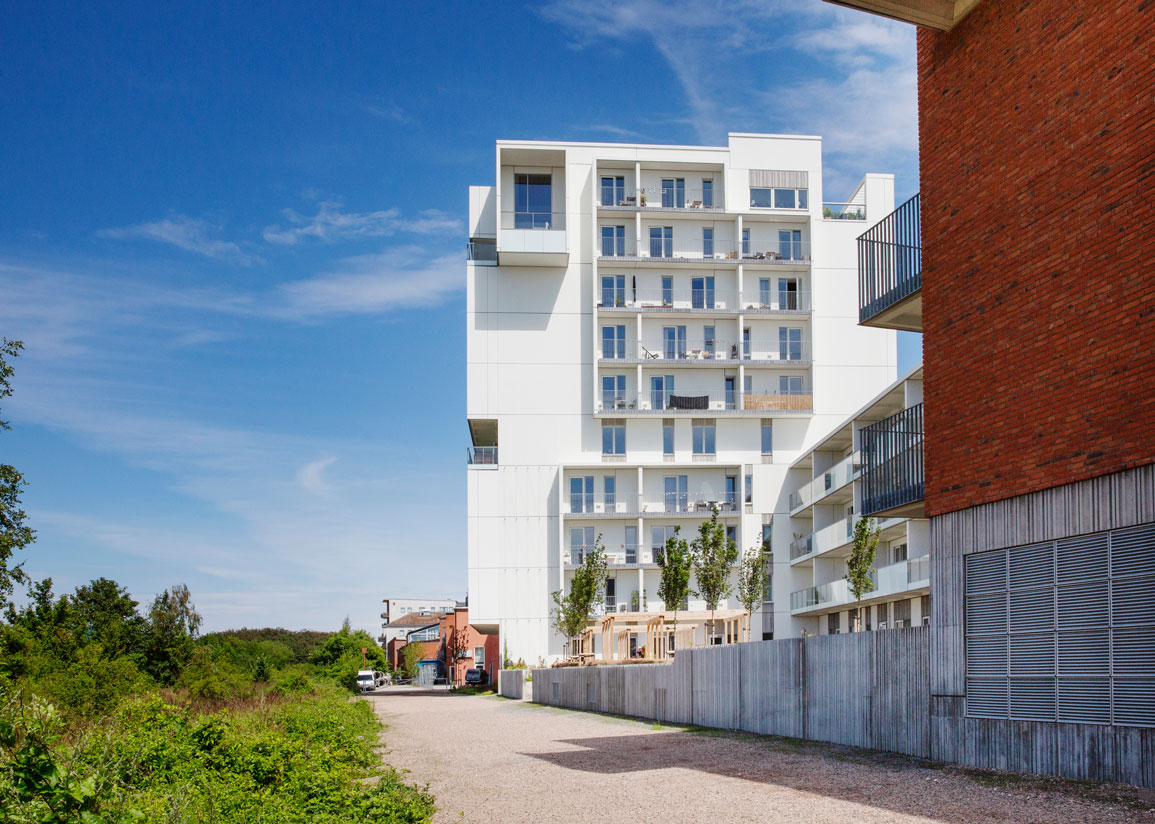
369 680
476 677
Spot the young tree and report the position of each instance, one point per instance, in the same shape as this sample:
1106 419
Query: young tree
15 534
456 645
572 612
861 561
411 655
173 623
675 563
752 577
714 557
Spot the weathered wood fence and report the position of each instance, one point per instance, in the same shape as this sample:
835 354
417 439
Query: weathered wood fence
868 689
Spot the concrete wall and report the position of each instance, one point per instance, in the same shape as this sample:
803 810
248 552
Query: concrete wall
869 689
511 683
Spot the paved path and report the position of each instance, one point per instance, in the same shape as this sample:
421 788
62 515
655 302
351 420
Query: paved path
487 759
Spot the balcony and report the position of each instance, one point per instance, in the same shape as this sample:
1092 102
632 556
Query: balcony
892 469
481 456
481 252
661 199
887 582
716 403
597 506
843 211
532 239
625 556
830 538
704 301
790 254
890 271
691 352
827 483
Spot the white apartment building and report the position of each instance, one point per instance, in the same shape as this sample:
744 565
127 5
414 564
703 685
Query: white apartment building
828 490
652 331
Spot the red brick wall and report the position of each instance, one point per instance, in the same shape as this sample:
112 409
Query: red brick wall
1037 153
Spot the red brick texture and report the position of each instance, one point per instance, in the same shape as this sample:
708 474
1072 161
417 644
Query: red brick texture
1037 153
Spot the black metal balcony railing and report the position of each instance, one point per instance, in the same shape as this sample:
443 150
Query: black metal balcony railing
892 473
890 260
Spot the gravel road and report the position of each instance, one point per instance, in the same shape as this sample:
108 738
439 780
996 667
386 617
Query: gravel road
488 759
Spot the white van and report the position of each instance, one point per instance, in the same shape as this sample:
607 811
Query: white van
367 680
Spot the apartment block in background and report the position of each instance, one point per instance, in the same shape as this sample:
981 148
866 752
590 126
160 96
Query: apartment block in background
830 490
1026 263
653 332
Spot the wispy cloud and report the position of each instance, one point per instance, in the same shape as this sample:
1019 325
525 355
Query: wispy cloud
331 223
190 234
791 66
311 476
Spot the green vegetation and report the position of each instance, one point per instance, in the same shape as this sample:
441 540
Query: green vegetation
676 563
752 574
860 564
714 556
573 611
112 715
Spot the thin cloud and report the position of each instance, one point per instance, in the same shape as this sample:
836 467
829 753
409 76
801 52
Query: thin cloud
190 234
331 224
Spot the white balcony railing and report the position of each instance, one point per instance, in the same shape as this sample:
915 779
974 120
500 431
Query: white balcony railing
691 350
629 401
659 198
829 481
704 300
894 579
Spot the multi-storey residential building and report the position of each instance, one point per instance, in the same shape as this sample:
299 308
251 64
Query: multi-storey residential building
829 489
402 614
1033 288
654 332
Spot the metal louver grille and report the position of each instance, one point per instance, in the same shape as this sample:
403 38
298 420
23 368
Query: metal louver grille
1064 630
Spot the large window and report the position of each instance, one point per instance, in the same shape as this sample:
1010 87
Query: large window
661 387
761 198
702 292
613 241
677 493
674 193
704 437
581 541
662 241
708 193
610 487
613 392
790 244
614 341
631 545
789 343
532 201
613 290
707 242
613 437
1064 630
581 494
613 190
668 437
667 290
658 537
479 657
789 384
768 435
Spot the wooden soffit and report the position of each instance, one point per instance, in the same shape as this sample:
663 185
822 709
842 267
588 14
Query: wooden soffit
942 15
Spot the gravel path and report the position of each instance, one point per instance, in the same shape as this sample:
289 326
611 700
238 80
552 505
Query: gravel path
487 759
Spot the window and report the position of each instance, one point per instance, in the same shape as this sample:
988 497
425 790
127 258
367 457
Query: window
790 244
731 500
746 343
661 387
677 493
882 611
613 191
707 242
787 293
708 193
898 553
674 193
613 392
924 609
785 199
609 486
611 590
789 343
901 614
662 241
667 290
631 545
658 537
674 342
745 243
614 341
581 540
613 241
479 657
768 436
613 290
708 340
702 292
761 198
532 201
764 292
731 400
668 437
749 489
732 534
613 437
790 385
832 623
703 437
581 494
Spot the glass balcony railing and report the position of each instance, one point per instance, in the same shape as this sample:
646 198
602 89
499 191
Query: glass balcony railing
481 252
659 198
533 220
704 300
843 211
481 455
918 570
801 547
775 352
658 401
791 249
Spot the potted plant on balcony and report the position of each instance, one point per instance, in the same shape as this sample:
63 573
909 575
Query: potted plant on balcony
643 199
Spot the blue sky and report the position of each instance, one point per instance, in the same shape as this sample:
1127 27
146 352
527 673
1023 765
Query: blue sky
231 238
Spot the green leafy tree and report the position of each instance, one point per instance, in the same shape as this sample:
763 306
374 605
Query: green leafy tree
752 577
714 557
861 561
572 612
173 623
15 534
103 611
675 563
411 655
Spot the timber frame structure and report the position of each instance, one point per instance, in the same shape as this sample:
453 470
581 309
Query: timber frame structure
663 635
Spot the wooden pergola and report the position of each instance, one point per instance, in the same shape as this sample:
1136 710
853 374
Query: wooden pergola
659 629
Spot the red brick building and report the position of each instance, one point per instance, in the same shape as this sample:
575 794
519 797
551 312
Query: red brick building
1027 262
476 650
